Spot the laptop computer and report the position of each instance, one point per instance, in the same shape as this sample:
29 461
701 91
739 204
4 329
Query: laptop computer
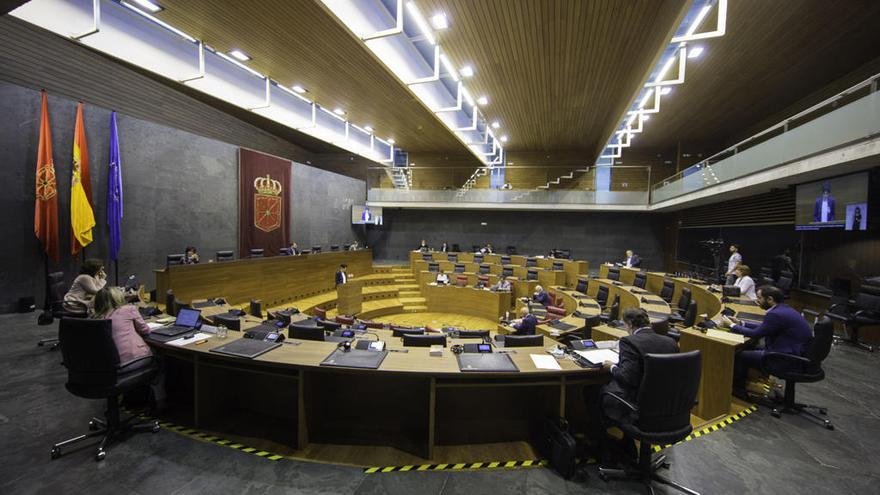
187 321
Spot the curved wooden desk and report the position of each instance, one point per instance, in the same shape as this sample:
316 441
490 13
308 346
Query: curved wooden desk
413 402
466 300
571 269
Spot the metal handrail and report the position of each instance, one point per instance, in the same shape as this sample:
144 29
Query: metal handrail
781 125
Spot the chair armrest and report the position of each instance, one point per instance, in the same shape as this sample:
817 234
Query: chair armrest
622 401
810 312
135 364
837 317
866 313
844 305
783 357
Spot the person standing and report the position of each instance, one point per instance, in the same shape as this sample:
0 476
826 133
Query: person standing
735 259
341 276
823 210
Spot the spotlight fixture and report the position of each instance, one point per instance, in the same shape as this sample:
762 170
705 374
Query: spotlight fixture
299 89
496 124
665 90
504 138
239 55
482 101
390 141
147 5
467 71
695 52
368 128
439 21
339 111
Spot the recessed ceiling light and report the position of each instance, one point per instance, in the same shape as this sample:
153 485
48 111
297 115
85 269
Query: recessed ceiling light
239 55
439 21
299 89
666 90
390 141
504 138
496 124
339 111
147 5
483 100
695 52
368 128
644 117
467 71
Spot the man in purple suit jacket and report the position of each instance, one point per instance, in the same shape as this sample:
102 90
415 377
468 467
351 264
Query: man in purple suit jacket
783 329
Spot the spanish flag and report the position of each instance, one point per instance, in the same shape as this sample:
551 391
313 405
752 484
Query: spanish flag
46 200
82 218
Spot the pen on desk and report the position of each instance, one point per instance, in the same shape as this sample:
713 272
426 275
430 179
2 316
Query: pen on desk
201 341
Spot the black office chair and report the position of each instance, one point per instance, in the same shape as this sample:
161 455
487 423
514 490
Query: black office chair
862 311
256 253
484 269
434 267
505 259
410 340
581 286
784 282
667 291
478 258
456 248
661 326
329 325
558 266
285 251
684 302
459 268
334 247
613 312
641 280
802 369
316 249
54 307
452 257
473 334
400 332
94 372
523 340
511 250
427 257
530 274
531 262
602 296
225 256
174 259
667 394
306 332
614 273
475 248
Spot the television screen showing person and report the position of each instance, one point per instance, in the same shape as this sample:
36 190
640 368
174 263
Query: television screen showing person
823 209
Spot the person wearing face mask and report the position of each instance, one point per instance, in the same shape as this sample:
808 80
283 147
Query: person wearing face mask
784 330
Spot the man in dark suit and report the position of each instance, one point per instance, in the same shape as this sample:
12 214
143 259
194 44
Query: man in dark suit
526 324
541 296
632 259
823 210
626 377
341 276
783 329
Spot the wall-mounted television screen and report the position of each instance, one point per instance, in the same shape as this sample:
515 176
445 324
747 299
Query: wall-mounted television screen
366 215
839 203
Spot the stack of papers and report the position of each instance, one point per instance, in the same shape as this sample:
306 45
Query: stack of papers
545 362
599 356
195 339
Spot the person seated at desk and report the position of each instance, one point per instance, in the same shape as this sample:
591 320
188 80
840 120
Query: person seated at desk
80 297
442 278
128 327
444 248
489 249
354 246
632 260
626 377
295 250
503 285
190 256
541 296
783 329
526 324
744 282
423 246
341 276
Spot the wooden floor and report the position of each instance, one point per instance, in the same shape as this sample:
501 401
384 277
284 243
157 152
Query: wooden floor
439 320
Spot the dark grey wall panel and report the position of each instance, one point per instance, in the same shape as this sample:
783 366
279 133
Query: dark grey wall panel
595 237
320 206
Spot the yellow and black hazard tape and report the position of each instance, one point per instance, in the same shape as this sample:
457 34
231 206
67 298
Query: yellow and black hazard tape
724 423
462 466
205 437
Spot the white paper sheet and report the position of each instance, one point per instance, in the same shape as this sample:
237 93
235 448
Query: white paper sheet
728 336
599 356
154 326
545 362
199 337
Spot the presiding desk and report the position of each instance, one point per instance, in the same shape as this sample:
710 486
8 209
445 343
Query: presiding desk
486 304
570 269
717 346
412 402
274 280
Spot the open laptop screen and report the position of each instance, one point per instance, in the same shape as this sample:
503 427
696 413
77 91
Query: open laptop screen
187 317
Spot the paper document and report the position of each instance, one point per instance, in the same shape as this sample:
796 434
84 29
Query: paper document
727 336
165 319
154 326
545 362
599 356
197 338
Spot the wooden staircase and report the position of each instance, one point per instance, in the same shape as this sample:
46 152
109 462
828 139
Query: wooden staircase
408 290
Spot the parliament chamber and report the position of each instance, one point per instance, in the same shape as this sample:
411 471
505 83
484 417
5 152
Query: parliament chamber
440 247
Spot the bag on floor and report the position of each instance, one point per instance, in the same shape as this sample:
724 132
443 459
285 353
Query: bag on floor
558 446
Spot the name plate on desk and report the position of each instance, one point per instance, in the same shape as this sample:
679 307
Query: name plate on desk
494 362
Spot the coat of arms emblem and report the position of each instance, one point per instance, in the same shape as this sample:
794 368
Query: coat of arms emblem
267 203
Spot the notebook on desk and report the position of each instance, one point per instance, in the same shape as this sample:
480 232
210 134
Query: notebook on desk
355 358
494 362
246 348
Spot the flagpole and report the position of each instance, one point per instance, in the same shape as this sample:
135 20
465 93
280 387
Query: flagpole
47 303
116 270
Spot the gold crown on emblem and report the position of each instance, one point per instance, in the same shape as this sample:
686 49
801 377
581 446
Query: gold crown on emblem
267 185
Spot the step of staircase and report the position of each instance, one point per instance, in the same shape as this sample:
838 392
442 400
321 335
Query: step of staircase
415 309
408 293
408 301
410 286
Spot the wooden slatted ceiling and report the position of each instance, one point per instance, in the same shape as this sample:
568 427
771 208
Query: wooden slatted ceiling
774 54
773 208
558 73
298 42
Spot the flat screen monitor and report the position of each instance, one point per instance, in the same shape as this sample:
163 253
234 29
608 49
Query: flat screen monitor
366 215
837 203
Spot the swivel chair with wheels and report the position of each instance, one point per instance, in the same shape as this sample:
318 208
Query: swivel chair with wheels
94 372
684 302
802 369
667 394
863 311
55 307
